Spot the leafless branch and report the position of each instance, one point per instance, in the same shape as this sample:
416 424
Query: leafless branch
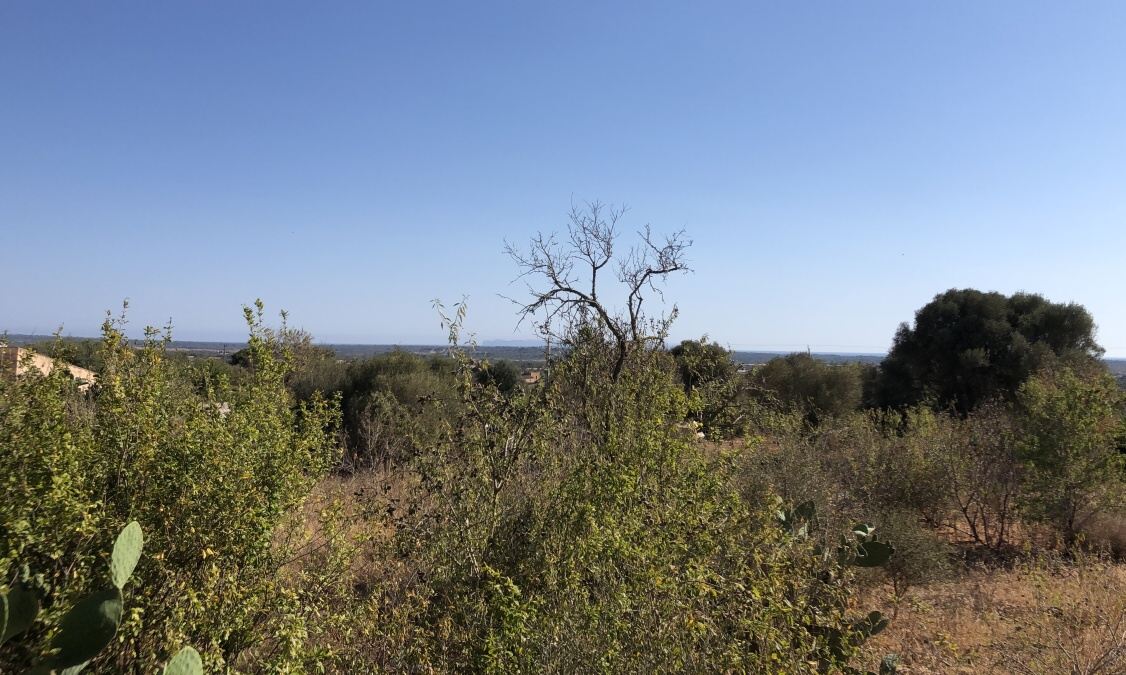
562 278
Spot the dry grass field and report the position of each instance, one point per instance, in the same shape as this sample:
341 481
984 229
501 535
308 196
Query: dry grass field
1041 615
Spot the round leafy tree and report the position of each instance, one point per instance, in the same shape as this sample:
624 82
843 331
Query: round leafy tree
968 346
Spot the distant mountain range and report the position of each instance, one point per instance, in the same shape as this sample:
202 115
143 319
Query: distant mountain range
521 351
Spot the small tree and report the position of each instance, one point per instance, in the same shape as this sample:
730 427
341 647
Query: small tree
983 474
1069 425
564 280
717 393
502 374
700 362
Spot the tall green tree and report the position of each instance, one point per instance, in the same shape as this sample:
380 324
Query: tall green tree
968 346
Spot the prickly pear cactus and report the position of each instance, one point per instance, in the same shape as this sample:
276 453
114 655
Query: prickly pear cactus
185 662
92 623
873 624
889 665
868 550
126 553
18 609
86 629
861 549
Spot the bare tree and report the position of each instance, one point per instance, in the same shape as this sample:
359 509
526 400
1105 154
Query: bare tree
563 277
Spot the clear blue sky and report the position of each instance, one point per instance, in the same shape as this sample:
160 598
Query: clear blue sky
836 163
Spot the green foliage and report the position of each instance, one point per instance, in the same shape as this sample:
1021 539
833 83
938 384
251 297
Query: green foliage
717 395
699 362
861 466
215 469
921 555
967 347
860 548
1069 424
502 374
84 353
91 624
815 388
394 402
572 527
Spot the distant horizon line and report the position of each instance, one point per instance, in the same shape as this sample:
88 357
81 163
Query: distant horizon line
517 344
520 344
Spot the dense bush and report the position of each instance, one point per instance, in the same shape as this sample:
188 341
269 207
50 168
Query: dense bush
699 362
381 397
389 400
812 386
212 477
1069 425
921 554
574 528
719 400
501 374
883 468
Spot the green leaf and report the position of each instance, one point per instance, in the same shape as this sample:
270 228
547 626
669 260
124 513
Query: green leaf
185 662
126 553
873 553
21 606
873 624
87 628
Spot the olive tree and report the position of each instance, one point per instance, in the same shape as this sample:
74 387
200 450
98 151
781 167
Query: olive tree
967 347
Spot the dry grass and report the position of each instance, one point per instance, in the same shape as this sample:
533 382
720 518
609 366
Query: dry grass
1040 616
1108 531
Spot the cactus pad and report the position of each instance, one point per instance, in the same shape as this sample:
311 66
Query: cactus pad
126 553
185 662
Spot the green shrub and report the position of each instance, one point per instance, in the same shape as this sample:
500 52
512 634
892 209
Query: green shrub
1069 424
210 476
920 556
816 388
390 400
573 528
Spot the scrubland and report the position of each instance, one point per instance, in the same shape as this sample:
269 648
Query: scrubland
959 508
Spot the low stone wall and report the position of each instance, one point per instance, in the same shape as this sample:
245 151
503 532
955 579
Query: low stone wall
15 361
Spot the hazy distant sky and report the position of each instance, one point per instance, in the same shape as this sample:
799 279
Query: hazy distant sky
836 163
